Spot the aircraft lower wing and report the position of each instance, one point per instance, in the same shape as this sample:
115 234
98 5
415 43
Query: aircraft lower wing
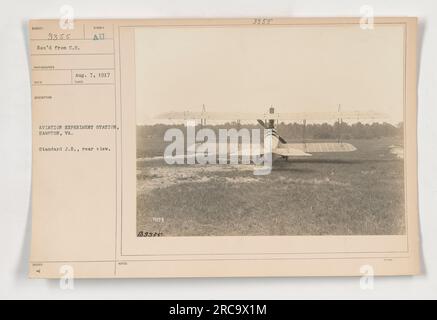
232 149
290 152
285 150
315 147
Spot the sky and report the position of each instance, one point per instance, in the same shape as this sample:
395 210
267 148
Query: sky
249 69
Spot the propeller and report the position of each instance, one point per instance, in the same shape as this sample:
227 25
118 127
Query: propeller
282 139
263 124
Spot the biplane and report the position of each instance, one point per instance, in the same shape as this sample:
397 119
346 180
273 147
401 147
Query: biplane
269 121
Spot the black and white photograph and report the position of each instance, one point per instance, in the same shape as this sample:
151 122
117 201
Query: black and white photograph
327 101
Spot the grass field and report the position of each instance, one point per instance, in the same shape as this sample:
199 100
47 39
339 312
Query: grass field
355 193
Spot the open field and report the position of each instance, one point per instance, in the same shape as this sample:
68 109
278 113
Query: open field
355 193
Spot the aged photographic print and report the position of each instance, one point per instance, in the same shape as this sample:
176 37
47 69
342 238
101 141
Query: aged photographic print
224 147
274 131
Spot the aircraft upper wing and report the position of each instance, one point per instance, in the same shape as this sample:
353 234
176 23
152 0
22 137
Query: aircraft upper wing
188 115
296 116
347 115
